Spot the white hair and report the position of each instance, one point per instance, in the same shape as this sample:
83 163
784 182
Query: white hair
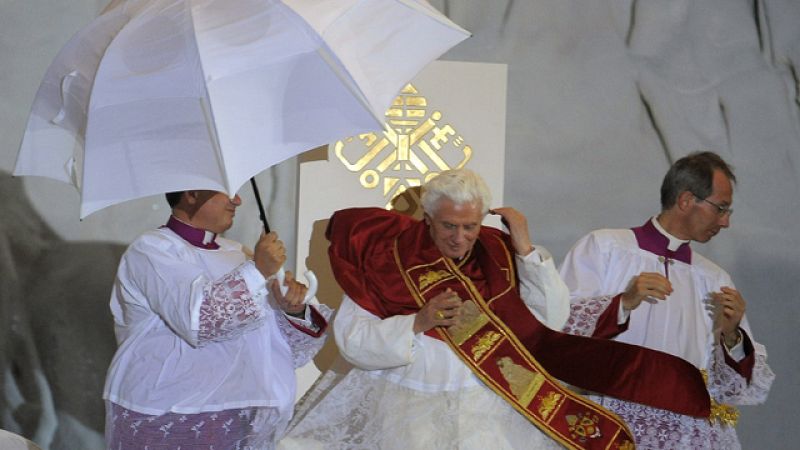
461 186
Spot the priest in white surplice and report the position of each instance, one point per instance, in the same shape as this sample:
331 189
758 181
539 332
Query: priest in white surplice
645 286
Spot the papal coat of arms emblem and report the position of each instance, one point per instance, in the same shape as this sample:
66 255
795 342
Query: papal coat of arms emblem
415 145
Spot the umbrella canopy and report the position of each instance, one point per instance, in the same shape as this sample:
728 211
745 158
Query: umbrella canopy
157 96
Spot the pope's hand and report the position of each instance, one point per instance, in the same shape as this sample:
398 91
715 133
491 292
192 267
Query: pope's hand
517 225
440 311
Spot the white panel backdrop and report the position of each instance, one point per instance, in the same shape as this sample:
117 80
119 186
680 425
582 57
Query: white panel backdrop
602 96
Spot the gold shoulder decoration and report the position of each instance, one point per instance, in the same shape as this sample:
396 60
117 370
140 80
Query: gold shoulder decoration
414 147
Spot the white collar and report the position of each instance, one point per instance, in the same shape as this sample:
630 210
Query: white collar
674 242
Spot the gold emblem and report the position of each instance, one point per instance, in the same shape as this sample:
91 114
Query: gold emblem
583 426
549 404
524 384
431 277
413 147
485 343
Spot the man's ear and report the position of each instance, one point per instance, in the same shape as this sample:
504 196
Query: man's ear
685 200
427 218
191 197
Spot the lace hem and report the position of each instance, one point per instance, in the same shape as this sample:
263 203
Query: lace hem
233 429
358 410
726 385
228 310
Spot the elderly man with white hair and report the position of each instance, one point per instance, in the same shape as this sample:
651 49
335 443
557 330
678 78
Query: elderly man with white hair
450 328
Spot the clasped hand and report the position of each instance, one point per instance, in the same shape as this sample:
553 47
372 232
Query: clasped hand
292 301
728 305
730 308
269 256
643 286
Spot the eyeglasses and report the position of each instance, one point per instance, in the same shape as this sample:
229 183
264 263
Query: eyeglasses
721 210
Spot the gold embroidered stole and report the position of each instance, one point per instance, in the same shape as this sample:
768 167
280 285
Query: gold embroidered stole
496 355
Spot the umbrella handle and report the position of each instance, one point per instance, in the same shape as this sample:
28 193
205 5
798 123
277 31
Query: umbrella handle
65 84
312 283
261 212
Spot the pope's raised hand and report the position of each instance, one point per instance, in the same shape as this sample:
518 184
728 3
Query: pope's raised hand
517 225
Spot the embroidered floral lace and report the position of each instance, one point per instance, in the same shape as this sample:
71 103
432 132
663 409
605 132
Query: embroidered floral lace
584 313
660 429
228 310
303 346
727 386
235 429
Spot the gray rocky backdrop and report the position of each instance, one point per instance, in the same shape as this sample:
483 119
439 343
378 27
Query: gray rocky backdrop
602 96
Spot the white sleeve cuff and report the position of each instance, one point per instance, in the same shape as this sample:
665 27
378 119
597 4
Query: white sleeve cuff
736 352
623 314
305 321
255 281
538 256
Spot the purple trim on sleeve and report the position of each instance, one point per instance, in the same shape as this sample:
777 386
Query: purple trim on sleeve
607 326
317 319
745 366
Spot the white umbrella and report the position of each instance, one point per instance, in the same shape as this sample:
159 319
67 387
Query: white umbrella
157 96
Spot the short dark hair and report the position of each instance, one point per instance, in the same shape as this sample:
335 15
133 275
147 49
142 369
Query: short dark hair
173 198
694 173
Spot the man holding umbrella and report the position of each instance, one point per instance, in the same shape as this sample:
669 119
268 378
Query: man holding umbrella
233 88
208 343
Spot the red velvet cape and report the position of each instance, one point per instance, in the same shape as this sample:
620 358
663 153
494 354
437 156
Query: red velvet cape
362 255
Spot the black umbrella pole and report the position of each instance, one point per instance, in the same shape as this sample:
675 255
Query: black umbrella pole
260 205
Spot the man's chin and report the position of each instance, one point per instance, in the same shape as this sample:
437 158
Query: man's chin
222 228
456 254
706 238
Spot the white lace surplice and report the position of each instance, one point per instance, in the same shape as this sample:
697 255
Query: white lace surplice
197 334
598 267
